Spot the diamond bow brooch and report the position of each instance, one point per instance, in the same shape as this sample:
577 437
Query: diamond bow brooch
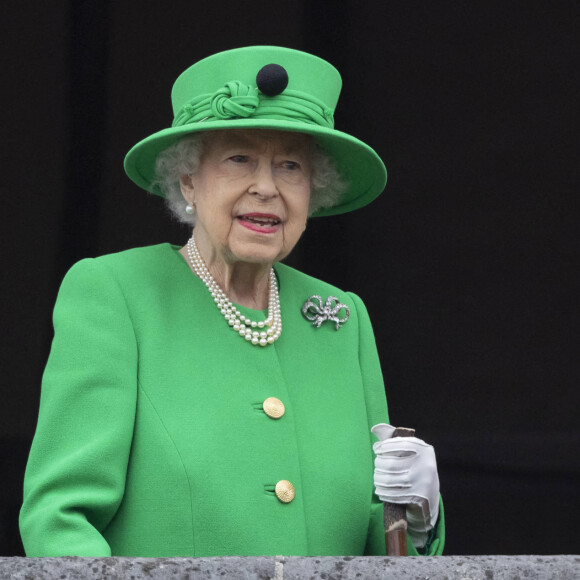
317 313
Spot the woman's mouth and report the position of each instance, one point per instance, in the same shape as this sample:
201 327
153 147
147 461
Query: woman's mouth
260 222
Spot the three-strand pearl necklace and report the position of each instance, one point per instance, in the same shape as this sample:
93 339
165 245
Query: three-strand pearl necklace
264 332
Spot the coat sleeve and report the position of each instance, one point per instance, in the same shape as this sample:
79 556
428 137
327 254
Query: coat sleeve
377 413
75 476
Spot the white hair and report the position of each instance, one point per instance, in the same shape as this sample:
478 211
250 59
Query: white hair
183 157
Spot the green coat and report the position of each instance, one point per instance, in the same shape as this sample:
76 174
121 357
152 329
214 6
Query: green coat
152 440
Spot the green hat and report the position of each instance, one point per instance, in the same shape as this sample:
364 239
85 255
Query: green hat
264 87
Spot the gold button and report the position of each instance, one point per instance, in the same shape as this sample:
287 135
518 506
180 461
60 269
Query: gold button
285 491
274 407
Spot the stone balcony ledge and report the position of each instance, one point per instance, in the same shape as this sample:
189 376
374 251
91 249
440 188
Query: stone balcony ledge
295 568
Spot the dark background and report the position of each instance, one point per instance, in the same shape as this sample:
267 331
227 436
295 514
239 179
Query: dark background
468 263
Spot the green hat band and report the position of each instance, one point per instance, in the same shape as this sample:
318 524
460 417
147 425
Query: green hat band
236 100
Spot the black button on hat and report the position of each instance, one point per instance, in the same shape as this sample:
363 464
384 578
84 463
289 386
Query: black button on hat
272 79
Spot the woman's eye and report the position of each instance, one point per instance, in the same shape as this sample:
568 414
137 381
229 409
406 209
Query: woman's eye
291 165
239 158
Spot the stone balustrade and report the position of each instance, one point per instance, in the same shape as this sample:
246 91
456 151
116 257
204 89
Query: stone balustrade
294 568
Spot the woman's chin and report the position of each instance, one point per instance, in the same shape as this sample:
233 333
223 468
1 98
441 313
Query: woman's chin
255 258
257 253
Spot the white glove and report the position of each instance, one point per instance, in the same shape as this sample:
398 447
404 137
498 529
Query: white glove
406 473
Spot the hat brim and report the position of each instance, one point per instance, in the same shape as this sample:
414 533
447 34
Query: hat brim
358 164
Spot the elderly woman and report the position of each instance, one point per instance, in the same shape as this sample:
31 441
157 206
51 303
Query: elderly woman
208 400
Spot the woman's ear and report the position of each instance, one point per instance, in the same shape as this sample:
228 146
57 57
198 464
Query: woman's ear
186 185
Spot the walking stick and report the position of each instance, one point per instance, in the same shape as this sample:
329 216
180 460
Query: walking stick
395 515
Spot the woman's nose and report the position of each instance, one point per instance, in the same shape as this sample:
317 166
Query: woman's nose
264 183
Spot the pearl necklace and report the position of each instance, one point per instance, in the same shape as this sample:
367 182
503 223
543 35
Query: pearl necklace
263 332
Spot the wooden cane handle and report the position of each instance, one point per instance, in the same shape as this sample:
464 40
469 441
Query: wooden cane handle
396 516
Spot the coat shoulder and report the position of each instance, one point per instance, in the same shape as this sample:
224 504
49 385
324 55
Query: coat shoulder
305 286
147 257
139 265
291 276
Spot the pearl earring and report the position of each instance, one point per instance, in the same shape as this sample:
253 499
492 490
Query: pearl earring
188 209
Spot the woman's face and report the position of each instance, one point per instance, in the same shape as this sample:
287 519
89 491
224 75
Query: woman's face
251 194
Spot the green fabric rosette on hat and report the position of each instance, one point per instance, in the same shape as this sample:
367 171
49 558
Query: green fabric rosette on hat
265 87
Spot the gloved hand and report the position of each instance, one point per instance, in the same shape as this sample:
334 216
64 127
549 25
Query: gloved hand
406 473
